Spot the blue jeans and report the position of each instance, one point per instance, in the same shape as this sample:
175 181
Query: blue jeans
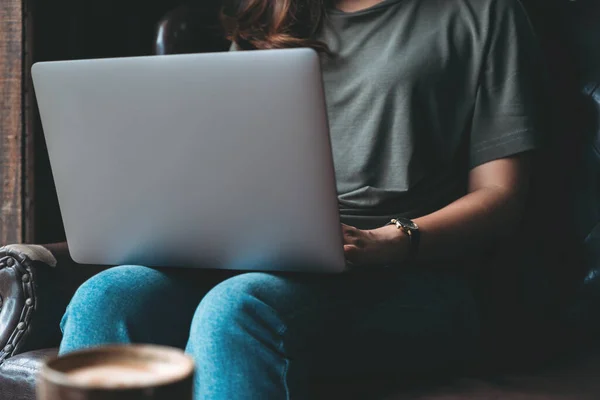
262 335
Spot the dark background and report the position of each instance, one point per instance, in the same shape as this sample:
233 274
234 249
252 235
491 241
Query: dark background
83 29
70 29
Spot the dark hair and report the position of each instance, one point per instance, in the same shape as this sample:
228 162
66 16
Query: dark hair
273 24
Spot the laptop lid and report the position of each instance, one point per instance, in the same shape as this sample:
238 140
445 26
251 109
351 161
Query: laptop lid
219 160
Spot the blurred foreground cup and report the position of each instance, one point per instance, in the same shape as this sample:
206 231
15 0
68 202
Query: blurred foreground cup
132 372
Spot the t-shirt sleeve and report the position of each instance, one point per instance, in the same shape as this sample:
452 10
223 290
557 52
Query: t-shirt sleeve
508 103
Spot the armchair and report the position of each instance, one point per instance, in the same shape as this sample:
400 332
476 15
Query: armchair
37 283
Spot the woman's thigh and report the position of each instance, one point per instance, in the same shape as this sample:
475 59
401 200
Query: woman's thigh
418 322
359 323
135 304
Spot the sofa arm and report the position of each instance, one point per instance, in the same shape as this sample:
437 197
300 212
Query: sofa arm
36 284
193 27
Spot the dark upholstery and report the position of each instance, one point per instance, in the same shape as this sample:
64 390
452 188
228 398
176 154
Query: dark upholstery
18 374
18 298
574 378
583 33
191 28
566 359
35 297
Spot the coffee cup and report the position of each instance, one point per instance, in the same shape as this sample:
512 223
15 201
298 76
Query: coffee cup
131 372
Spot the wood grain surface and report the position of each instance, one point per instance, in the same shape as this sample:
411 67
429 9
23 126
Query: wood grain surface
11 121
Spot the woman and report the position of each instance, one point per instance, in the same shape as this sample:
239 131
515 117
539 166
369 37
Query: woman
432 114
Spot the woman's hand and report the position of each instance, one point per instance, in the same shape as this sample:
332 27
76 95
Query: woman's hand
375 248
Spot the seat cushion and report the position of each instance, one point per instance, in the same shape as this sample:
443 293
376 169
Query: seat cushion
18 374
575 378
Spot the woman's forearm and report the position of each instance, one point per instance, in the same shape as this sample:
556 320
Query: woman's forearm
469 224
492 210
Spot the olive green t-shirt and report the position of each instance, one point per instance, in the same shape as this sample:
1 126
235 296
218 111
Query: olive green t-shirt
421 91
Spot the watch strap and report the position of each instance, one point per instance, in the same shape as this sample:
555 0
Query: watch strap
414 237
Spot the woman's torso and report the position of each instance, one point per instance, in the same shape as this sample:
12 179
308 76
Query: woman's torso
401 90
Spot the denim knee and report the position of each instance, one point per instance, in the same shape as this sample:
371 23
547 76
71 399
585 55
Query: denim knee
237 307
237 339
103 302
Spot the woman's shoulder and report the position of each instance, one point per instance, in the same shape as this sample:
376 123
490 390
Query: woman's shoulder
481 8
488 16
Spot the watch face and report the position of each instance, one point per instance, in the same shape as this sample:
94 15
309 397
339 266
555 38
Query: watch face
408 224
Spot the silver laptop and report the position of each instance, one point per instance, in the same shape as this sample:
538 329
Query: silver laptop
209 160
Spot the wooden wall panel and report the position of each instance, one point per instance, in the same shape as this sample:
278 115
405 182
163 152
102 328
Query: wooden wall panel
11 121
30 115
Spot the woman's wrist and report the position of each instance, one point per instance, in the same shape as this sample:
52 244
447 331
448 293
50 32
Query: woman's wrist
396 242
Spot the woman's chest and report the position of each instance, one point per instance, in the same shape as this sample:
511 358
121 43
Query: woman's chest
401 55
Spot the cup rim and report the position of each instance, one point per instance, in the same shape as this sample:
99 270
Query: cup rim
61 378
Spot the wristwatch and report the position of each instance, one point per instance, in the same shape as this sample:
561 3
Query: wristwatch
414 235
